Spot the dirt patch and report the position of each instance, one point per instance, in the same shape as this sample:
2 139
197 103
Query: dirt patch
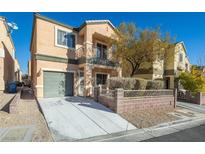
27 113
148 118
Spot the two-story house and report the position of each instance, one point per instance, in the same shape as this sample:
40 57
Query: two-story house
18 72
176 62
7 55
168 67
67 60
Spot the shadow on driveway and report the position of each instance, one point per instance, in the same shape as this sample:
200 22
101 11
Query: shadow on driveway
88 103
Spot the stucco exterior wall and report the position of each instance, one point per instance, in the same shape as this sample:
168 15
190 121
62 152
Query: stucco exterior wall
29 68
51 66
2 84
44 43
7 55
46 40
18 73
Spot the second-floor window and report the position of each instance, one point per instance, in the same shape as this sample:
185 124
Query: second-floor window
187 67
65 39
101 51
180 57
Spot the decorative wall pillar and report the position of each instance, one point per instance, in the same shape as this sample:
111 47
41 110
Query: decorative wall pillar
119 95
87 80
175 98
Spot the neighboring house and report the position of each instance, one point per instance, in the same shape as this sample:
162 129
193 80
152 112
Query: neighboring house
168 68
201 68
176 63
18 73
70 61
29 69
7 55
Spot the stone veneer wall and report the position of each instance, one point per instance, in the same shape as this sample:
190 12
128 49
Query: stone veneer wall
203 99
198 98
121 104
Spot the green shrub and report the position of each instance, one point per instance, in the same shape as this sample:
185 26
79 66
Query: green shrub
134 83
155 84
140 84
125 83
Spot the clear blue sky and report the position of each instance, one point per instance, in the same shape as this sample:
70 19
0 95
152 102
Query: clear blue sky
187 27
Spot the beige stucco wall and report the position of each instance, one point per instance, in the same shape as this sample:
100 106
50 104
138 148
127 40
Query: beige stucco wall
2 86
52 66
44 42
179 49
93 33
7 52
174 64
29 68
18 73
170 64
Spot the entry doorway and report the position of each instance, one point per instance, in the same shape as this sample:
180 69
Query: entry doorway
167 83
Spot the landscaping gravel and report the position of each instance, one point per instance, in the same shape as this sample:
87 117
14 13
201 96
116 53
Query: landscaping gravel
148 118
27 113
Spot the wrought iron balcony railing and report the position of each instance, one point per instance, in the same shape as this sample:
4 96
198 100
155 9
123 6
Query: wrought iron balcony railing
100 61
92 56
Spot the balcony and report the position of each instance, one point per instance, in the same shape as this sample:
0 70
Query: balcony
93 56
181 66
100 61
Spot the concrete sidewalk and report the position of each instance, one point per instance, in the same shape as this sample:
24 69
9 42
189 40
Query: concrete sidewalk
17 134
191 106
148 133
74 118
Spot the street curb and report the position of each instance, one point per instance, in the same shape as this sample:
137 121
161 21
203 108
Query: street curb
147 133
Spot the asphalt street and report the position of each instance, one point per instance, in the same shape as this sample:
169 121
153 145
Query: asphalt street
196 134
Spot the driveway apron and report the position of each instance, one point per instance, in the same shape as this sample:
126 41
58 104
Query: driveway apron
74 118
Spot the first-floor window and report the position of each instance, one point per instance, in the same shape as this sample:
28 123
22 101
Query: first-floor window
101 79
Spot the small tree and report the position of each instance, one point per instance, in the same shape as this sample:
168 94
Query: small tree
134 47
193 81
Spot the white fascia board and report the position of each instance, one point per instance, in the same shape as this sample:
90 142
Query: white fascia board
2 53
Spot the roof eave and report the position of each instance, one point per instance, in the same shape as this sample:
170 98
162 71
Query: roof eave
37 15
7 28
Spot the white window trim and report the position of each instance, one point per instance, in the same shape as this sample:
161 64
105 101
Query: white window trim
108 76
100 42
2 53
67 31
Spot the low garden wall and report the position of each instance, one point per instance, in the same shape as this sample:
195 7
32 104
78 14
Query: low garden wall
197 98
14 103
122 101
203 99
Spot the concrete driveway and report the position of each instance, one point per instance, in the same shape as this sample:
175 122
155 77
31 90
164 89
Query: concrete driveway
74 118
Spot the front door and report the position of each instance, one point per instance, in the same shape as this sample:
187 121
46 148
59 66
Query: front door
167 83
